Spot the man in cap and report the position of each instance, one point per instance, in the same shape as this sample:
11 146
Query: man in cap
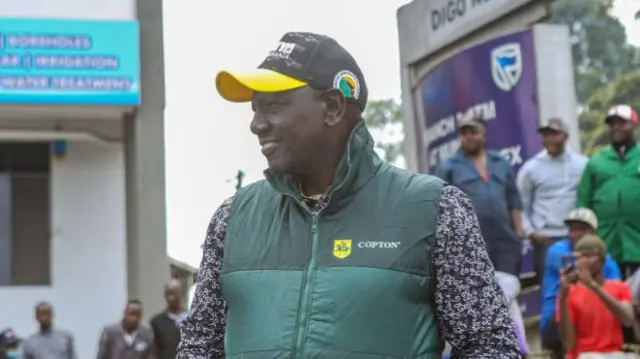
591 315
9 345
336 253
548 185
488 179
580 222
610 186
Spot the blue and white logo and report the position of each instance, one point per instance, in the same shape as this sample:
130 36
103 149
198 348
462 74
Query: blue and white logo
506 66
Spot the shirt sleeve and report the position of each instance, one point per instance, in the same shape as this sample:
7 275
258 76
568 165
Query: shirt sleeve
611 269
470 307
572 309
26 352
513 196
585 189
71 347
526 189
551 280
103 345
443 172
202 331
624 293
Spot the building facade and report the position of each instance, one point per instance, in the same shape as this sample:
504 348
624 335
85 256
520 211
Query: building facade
82 181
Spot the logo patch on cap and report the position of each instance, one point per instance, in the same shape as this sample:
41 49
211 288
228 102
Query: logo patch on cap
283 50
347 83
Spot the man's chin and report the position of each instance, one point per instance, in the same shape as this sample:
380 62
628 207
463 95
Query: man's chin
617 138
276 166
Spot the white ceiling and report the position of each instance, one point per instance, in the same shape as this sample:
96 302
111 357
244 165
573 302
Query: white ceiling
104 123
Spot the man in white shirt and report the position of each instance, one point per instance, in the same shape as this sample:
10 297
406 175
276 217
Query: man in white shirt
548 185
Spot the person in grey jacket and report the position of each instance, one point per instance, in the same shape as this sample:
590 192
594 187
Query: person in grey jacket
49 342
127 339
548 185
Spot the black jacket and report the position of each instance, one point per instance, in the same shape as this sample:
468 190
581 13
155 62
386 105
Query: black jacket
166 335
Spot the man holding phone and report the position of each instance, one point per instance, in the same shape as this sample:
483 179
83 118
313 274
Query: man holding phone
592 309
580 222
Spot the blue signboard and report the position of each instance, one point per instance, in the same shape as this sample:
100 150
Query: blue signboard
69 62
496 79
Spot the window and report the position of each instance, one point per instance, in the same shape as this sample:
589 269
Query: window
25 214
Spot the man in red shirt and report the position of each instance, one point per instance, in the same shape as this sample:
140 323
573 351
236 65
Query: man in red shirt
591 310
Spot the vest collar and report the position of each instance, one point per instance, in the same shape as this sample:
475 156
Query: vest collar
357 166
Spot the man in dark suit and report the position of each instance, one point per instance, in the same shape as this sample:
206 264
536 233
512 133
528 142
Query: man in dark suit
166 325
127 339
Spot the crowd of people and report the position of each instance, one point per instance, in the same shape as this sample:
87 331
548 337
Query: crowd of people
128 338
561 201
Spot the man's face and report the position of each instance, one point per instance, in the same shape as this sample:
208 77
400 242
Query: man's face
132 315
578 230
553 141
44 316
472 139
593 262
290 127
173 295
620 130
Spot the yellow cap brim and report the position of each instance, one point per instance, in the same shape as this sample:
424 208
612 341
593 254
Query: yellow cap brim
240 86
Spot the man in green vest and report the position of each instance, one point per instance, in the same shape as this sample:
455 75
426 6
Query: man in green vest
337 254
610 186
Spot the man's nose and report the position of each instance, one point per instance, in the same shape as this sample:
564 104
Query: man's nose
259 124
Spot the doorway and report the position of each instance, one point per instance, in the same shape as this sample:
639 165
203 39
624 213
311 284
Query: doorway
25 214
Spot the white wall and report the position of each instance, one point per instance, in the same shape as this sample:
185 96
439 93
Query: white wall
88 250
70 9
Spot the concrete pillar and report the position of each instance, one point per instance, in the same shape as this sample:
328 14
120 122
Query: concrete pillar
6 232
148 267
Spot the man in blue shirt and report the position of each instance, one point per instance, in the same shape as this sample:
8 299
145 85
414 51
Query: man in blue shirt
488 179
581 222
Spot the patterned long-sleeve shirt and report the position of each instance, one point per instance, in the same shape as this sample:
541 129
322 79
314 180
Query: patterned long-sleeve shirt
471 309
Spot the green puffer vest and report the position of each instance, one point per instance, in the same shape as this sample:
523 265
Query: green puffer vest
354 281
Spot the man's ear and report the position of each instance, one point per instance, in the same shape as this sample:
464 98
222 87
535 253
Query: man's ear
335 106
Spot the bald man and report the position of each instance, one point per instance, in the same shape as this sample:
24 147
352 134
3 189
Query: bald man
166 325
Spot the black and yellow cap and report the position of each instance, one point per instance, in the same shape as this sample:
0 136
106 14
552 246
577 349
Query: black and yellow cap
300 59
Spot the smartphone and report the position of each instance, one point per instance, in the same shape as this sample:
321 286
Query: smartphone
569 263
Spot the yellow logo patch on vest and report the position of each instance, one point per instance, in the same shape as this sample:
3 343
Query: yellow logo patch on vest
341 248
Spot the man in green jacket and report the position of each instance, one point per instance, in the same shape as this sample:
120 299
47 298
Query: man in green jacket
337 254
610 186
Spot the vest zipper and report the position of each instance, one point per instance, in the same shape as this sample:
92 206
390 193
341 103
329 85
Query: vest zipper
303 312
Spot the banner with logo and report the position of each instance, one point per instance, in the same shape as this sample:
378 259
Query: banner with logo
69 62
498 80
